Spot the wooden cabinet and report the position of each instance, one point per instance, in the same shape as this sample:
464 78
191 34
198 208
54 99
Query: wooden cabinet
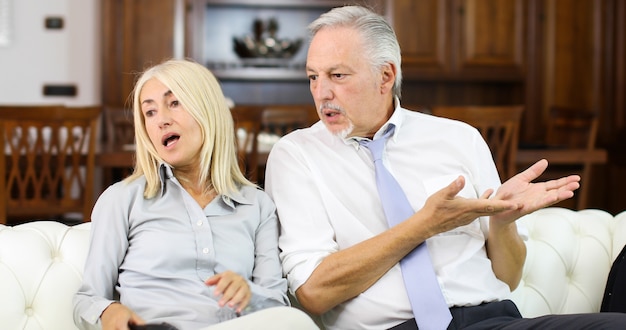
538 53
136 34
422 29
574 53
571 60
461 39
491 38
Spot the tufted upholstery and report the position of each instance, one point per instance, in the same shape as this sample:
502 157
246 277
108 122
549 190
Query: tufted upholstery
41 265
568 260
569 256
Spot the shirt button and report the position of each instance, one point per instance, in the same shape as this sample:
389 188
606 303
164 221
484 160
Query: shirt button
199 223
205 250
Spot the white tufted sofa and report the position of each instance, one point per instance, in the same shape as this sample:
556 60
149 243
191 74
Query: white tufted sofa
569 257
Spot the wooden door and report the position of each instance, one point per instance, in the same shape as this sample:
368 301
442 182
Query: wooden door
573 54
422 28
136 34
488 38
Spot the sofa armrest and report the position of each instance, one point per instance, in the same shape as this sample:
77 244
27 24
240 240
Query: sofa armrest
41 266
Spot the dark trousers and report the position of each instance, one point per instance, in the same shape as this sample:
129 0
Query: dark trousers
504 315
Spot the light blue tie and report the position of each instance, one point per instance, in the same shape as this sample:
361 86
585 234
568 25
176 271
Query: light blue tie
429 307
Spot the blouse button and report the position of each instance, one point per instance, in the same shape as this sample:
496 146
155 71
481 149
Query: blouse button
205 250
199 223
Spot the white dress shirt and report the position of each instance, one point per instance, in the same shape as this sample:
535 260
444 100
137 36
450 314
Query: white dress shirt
325 191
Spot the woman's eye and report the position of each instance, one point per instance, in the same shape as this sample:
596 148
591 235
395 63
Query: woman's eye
149 113
174 104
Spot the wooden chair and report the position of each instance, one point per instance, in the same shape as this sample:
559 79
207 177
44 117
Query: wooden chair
118 140
499 126
570 145
277 121
119 125
247 120
47 170
283 119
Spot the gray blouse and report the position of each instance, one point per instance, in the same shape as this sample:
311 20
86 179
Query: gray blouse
153 255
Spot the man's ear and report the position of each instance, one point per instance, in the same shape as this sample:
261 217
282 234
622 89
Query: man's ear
388 77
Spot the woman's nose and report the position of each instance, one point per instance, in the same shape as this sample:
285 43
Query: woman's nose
165 119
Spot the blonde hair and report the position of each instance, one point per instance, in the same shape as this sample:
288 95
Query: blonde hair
199 92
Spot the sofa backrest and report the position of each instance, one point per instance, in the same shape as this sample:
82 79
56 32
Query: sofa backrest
568 260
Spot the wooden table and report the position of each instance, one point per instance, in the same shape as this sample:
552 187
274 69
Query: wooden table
116 156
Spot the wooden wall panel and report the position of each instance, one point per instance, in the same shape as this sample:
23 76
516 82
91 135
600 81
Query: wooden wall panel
532 119
616 109
573 56
564 52
136 34
618 117
425 44
491 33
431 93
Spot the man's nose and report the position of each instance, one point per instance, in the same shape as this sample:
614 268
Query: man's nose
322 89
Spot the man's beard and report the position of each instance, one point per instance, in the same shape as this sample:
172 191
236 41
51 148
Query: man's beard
344 133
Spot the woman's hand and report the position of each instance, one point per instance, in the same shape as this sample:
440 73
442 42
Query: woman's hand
118 317
232 288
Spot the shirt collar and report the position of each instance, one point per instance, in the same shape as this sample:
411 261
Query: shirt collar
166 172
396 119
236 197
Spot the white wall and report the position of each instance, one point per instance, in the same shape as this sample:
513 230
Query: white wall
37 56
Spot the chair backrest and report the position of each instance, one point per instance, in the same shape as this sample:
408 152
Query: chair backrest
499 126
247 120
282 119
118 125
47 169
571 128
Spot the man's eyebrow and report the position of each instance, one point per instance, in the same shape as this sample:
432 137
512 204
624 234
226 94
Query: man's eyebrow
331 69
